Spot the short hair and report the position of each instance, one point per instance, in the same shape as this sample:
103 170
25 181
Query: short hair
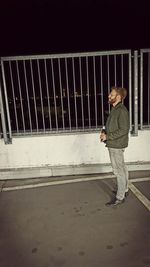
120 91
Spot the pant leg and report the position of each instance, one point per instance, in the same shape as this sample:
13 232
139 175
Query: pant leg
120 170
127 177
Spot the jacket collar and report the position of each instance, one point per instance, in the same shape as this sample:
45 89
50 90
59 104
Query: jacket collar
118 105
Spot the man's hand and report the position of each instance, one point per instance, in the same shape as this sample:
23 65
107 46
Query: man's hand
103 136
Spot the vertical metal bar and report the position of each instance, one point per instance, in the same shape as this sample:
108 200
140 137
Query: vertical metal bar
2 115
68 93
6 102
108 70
27 93
130 90
135 92
55 105
41 96
122 72
49 106
102 93
115 70
74 87
81 86
61 94
141 91
20 93
95 95
88 91
33 88
148 89
13 92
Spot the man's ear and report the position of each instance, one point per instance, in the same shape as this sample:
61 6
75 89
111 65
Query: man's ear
119 97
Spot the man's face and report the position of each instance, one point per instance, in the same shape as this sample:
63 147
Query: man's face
112 97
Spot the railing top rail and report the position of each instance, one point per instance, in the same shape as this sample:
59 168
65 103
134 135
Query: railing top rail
146 50
68 55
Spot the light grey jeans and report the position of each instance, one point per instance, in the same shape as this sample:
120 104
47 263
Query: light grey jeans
120 170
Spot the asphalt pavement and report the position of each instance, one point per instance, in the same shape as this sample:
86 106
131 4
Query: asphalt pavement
53 224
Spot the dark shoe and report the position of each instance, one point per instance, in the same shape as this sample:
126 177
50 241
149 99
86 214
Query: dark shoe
115 192
126 194
115 202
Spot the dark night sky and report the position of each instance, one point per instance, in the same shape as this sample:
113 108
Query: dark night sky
53 26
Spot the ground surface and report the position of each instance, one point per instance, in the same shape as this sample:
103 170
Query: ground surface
69 225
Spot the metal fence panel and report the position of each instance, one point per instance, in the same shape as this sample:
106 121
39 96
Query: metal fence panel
145 88
63 93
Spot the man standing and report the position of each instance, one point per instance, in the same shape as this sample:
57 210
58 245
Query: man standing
116 138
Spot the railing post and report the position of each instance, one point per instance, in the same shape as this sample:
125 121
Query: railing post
130 90
141 90
7 139
3 118
135 97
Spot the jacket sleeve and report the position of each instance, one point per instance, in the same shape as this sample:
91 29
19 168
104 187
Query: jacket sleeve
123 126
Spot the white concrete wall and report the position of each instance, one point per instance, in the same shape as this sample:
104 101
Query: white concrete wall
65 150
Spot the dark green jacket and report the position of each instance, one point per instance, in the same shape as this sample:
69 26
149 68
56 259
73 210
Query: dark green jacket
117 127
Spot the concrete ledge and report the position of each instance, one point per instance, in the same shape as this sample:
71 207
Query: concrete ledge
54 171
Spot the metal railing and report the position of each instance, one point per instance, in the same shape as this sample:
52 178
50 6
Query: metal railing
67 93
62 93
144 88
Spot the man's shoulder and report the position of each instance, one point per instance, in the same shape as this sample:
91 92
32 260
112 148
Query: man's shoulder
121 106
124 108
